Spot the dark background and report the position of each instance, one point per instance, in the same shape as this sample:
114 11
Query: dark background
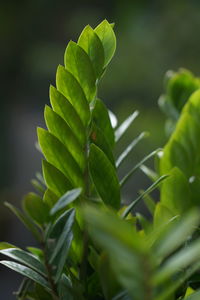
152 37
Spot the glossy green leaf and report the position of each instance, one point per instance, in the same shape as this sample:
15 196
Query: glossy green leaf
125 125
66 199
106 34
65 109
25 220
25 258
130 147
58 127
175 192
55 179
25 271
78 63
92 45
5 245
104 177
97 137
101 117
36 208
57 155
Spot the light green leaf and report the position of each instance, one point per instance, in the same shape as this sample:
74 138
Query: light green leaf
36 208
130 147
92 45
58 127
5 245
25 220
55 179
194 296
101 117
66 199
26 272
78 63
125 125
57 155
38 186
25 258
106 34
50 198
65 109
104 177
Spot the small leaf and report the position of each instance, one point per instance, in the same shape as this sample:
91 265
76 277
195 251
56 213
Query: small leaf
125 125
25 258
78 63
130 148
26 272
113 119
36 208
25 220
58 127
106 34
66 199
92 45
57 155
104 177
55 179
64 108
101 118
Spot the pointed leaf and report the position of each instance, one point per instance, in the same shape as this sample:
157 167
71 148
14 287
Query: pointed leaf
106 34
65 109
125 125
78 63
57 155
92 45
104 177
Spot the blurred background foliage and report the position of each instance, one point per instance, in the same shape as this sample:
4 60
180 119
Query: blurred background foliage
152 37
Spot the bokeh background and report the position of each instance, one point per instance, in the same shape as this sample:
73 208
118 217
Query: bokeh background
152 37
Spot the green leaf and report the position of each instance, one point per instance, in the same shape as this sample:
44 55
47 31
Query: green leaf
65 288
25 258
175 192
57 155
58 127
97 137
162 215
64 108
147 191
55 179
104 177
92 45
63 244
78 63
130 147
194 296
36 208
106 35
26 272
66 199
125 125
38 186
5 245
50 198
101 117
25 220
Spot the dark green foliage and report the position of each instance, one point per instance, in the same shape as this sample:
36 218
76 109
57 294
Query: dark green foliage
90 244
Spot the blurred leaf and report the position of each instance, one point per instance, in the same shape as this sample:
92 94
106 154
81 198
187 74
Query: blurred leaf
162 215
106 34
25 220
125 125
25 258
101 117
113 119
194 296
50 198
55 179
36 208
26 272
66 199
78 63
130 147
64 108
38 186
149 172
65 288
104 177
58 127
92 45
56 154
5 245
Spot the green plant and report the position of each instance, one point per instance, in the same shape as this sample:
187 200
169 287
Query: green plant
90 244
